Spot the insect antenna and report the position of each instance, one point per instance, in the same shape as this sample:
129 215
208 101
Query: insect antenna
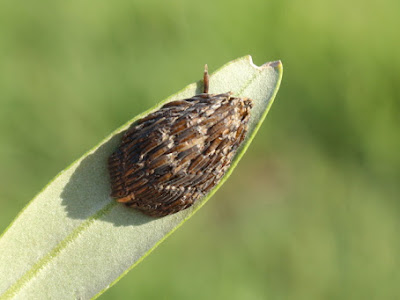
205 79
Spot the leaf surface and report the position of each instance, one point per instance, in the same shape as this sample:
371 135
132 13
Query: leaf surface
74 241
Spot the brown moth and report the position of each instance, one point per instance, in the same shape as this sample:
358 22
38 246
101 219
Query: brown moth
175 155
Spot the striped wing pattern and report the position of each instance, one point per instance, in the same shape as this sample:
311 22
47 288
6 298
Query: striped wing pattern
175 155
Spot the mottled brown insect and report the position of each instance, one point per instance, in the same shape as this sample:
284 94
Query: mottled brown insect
175 155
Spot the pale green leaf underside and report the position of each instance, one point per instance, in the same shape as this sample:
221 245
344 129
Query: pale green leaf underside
74 241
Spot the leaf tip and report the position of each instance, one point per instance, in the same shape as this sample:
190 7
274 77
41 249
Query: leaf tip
272 64
275 64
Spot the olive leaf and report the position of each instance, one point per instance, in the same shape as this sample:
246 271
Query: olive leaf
74 241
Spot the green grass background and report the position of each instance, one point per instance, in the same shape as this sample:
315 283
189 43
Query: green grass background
311 212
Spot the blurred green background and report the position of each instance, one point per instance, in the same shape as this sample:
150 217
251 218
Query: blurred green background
311 212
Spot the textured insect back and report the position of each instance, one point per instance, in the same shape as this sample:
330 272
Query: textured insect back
175 155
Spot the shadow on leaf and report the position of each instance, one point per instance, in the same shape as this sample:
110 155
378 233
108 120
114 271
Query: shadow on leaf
87 193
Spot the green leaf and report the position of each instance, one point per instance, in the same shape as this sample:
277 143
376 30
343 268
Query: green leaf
74 241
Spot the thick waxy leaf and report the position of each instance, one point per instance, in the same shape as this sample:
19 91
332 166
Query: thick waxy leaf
74 241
